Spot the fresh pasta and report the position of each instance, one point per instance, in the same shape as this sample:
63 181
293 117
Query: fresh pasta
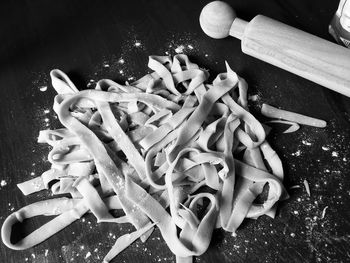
155 149
272 112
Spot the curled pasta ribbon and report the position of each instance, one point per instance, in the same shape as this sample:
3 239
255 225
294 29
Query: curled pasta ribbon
231 78
164 149
272 112
167 226
68 211
62 83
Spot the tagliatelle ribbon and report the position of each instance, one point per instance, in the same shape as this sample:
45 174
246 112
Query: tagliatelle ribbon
153 148
272 112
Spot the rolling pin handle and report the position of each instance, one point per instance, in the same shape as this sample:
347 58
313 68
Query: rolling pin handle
238 27
288 48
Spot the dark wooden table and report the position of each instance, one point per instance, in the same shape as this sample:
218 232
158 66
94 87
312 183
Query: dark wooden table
91 40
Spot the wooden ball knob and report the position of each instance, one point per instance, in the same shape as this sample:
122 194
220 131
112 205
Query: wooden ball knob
216 19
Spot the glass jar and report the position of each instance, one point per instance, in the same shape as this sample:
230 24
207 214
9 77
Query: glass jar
339 27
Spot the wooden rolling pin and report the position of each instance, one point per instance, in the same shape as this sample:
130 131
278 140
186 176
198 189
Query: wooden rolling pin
301 53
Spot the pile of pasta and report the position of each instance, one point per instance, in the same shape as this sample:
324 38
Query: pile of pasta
169 150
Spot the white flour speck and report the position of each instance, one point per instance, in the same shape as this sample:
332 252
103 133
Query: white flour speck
297 153
307 187
324 212
179 49
43 88
335 154
306 142
254 97
3 183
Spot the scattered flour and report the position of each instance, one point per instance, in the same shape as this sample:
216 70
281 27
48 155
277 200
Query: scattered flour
137 43
105 64
297 153
306 142
180 49
3 183
335 154
88 254
325 148
43 88
254 97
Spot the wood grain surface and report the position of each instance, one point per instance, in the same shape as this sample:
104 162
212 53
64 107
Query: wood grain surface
301 53
93 39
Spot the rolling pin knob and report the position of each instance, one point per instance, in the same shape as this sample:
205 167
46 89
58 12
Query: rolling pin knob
216 19
219 20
